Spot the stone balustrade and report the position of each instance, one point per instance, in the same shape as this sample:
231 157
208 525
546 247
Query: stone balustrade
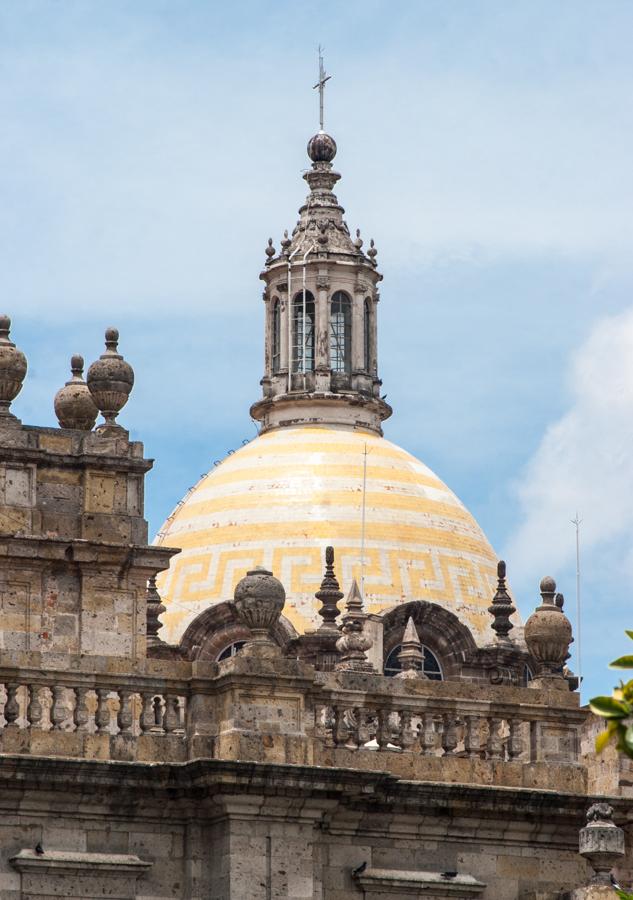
284 711
56 705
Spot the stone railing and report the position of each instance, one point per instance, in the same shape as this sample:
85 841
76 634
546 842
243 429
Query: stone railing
283 711
449 730
54 705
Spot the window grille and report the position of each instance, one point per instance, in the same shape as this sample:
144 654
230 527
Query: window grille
303 333
431 665
232 650
341 333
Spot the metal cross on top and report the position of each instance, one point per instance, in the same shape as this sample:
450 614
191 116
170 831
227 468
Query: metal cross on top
321 85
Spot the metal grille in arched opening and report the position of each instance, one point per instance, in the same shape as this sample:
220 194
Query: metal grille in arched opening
431 667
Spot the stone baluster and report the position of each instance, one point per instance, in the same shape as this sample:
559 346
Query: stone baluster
407 736
494 746
365 730
449 733
34 708
171 719
158 715
472 737
124 718
329 720
341 730
515 742
383 731
81 715
58 710
427 735
12 707
148 717
102 715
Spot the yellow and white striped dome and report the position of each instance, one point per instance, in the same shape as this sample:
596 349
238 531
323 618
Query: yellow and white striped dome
281 499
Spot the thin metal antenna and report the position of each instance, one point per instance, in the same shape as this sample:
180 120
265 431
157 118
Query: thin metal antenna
320 85
362 526
576 521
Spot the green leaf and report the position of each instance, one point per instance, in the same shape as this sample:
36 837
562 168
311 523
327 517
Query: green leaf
623 894
605 736
609 708
628 739
623 662
630 634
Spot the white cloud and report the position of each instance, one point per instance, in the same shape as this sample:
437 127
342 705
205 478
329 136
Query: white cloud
584 462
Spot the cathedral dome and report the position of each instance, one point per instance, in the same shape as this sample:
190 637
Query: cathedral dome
281 499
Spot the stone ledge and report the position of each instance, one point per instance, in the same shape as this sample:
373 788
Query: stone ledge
415 884
65 862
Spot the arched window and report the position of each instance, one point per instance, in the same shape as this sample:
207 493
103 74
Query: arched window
341 333
232 650
527 676
303 333
367 334
276 336
431 665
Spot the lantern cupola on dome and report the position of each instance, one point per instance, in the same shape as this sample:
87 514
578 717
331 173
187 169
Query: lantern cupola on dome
295 490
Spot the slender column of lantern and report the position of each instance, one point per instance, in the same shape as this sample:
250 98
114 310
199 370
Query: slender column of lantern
322 343
284 330
358 323
373 340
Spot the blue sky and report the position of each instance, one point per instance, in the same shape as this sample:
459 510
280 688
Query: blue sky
149 149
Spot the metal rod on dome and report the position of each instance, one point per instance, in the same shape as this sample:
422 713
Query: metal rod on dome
362 526
576 521
320 85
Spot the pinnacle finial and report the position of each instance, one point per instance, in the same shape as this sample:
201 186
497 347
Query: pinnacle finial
155 609
501 607
329 594
411 656
354 602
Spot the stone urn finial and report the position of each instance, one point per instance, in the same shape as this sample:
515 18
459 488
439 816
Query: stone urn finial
155 609
110 380
13 368
74 406
548 636
329 594
354 640
352 646
601 842
258 601
501 607
411 656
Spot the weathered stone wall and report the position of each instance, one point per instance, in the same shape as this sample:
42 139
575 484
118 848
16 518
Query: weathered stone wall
212 830
73 542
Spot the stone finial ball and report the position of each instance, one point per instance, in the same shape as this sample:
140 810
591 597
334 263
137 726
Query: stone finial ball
321 147
259 599
548 585
112 335
5 323
259 583
76 364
